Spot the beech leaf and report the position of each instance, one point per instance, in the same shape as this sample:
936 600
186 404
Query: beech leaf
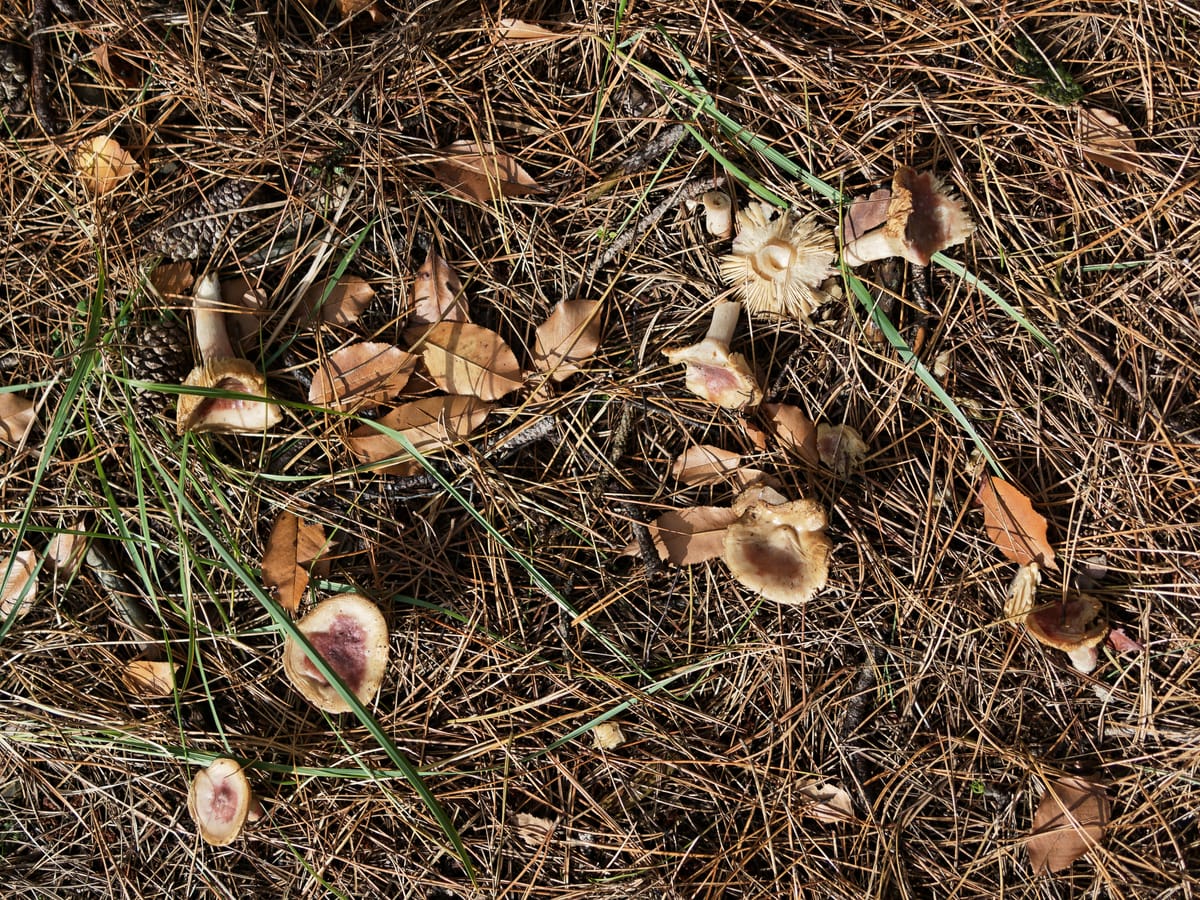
16 418
437 293
570 335
362 375
468 359
293 550
694 535
704 464
20 585
430 424
794 430
481 172
102 164
343 304
1069 821
1013 525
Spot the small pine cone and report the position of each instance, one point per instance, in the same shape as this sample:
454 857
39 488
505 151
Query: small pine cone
14 78
205 223
161 353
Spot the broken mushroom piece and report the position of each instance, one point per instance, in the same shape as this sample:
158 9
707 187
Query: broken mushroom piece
778 547
221 802
350 634
221 369
923 218
718 213
1075 625
779 262
720 377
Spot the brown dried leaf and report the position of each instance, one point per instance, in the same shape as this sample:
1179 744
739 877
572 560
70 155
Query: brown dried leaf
344 303
1069 821
570 335
694 535
150 678
841 448
1107 141
16 418
704 464
173 279
1123 643
20 585
1013 525
294 549
534 831
116 65
430 424
245 307
517 31
794 430
362 376
482 173
65 551
102 164
437 293
830 804
468 359
866 213
350 8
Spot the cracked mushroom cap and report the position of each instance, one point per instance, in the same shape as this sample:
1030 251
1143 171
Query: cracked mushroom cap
718 376
352 637
779 262
220 800
1076 626
228 415
778 548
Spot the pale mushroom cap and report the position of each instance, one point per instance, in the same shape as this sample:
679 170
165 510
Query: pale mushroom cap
778 263
227 415
779 550
722 378
350 634
219 801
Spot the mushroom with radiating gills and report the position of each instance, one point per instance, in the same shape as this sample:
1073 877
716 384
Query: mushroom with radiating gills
351 636
923 218
778 547
712 371
221 801
779 262
222 369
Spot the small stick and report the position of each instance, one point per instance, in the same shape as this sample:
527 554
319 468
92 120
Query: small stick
39 69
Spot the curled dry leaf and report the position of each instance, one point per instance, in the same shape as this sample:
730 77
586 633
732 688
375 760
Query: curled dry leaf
294 549
705 464
534 831
430 424
1107 141
467 359
841 448
608 735
1012 524
102 164
65 551
1069 821
245 308
482 173
437 293
150 678
569 336
115 63
340 303
173 279
794 430
517 31
685 537
17 583
1123 643
361 376
829 803
16 418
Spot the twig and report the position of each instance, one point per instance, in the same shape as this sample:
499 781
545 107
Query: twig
39 69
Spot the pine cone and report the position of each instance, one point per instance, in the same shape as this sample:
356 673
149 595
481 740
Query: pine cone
205 223
161 353
14 78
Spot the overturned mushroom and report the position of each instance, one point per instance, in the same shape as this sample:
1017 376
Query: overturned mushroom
350 634
778 548
221 802
713 372
221 368
1076 625
923 218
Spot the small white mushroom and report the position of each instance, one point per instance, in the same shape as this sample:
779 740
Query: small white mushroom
718 213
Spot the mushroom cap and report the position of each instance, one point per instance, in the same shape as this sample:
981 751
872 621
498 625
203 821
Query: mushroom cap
1076 623
778 261
778 549
722 378
351 635
219 801
227 415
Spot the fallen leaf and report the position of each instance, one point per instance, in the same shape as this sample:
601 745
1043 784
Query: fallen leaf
245 307
534 831
685 537
430 424
66 549
1107 141
150 678
1069 821
517 31
482 173
1012 524
1022 592
437 293
340 304
570 335
116 65
794 430
351 8
608 736
841 448
1123 643
830 803
102 164
292 550
467 359
17 583
173 279
16 418
704 464
362 376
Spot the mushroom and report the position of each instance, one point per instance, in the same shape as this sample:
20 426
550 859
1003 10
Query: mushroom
350 634
776 547
923 218
1075 625
718 213
720 377
221 802
779 262
221 368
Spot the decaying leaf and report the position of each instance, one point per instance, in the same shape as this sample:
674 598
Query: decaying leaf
608 735
173 279
685 537
150 678
1014 527
570 335
102 164
830 803
293 550
534 831
437 293
16 418
19 584
467 359
794 430
349 8
340 304
361 376
517 31
704 464
1107 141
245 308
65 551
841 448
1022 592
1069 821
430 424
1123 643
482 173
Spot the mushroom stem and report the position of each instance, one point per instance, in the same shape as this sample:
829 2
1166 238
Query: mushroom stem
212 335
871 246
724 322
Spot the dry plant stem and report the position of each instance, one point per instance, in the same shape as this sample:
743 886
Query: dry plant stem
39 69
